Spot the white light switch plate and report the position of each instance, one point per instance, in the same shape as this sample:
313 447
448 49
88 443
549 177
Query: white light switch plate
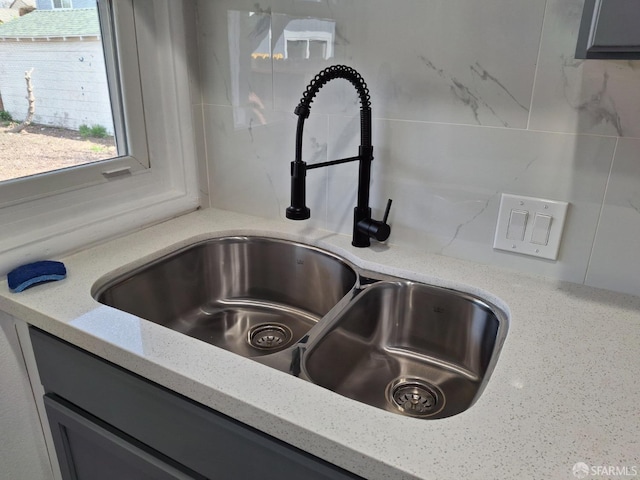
549 208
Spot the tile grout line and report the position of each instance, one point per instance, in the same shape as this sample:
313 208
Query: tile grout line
604 197
535 73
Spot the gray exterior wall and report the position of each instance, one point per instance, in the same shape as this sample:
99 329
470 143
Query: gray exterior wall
69 81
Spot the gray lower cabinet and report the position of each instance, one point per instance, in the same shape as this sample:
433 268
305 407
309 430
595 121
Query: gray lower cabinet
110 423
89 449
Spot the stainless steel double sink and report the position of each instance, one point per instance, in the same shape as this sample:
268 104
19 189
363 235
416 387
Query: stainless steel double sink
406 347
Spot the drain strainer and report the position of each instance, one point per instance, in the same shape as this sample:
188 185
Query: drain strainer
415 397
268 336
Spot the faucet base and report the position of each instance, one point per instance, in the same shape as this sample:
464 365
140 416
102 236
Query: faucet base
298 213
361 238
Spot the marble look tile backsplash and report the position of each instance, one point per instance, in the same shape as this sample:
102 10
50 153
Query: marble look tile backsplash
470 99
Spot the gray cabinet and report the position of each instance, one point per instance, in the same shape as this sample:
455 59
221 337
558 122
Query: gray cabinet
610 29
89 449
100 411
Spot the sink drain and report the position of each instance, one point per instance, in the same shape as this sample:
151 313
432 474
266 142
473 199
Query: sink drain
269 336
415 397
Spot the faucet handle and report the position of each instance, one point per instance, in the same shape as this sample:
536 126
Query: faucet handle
380 230
386 211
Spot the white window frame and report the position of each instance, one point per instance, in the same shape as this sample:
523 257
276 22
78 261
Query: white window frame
51 214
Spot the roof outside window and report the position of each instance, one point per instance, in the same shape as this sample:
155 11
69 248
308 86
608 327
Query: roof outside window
81 22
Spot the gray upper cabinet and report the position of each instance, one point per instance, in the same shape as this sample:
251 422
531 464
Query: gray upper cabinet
610 29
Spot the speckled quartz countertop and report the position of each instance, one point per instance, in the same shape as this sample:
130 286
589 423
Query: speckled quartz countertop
565 389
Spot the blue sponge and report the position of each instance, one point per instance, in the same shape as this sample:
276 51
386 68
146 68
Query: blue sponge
31 274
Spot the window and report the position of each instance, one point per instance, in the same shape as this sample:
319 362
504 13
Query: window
148 48
69 66
62 4
309 38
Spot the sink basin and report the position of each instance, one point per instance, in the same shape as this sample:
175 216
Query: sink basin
251 295
406 347
409 348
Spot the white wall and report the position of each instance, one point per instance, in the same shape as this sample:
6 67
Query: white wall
470 99
23 454
69 82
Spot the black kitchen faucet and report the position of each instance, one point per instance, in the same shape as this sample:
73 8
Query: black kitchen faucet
364 227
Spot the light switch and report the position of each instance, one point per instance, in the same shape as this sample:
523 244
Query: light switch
530 226
541 229
517 224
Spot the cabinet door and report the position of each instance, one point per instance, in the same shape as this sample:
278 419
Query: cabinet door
610 29
88 449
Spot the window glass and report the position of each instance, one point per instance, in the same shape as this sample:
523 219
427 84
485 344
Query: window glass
62 4
55 107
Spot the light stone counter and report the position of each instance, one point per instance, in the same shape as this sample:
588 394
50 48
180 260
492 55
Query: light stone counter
565 389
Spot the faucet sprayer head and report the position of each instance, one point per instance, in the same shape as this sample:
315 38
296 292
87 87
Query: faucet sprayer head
298 209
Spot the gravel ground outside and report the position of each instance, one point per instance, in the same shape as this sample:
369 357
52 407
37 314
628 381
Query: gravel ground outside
39 149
